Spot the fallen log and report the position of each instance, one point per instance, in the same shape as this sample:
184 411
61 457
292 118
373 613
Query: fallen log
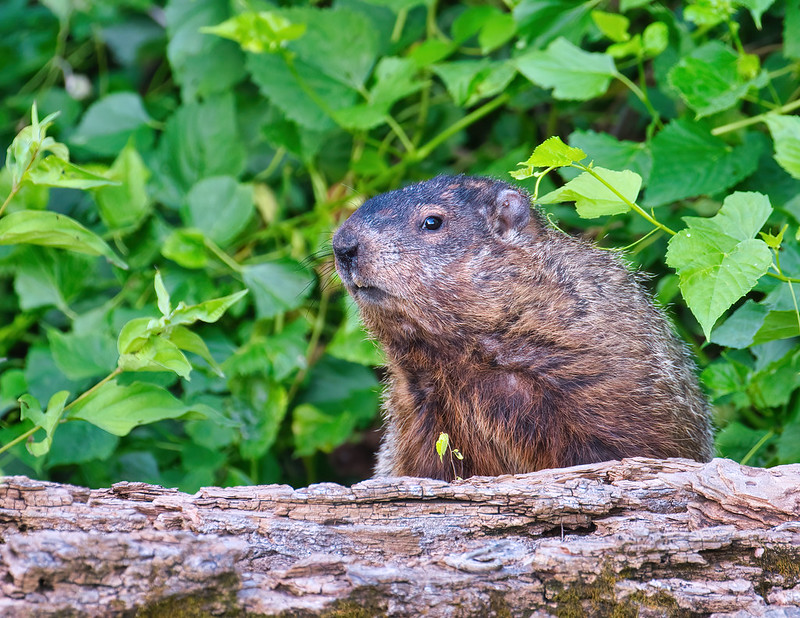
636 537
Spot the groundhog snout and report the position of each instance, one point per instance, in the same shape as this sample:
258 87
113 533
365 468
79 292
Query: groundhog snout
347 246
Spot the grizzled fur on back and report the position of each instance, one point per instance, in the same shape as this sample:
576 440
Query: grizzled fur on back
530 348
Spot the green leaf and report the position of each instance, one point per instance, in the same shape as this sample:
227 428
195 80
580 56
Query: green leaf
315 430
708 80
655 38
259 433
30 409
340 43
497 30
613 25
162 296
282 88
573 74
45 277
736 440
156 354
188 341
352 342
220 207
786 133
135 334
124 206
186 247
791 30
441 445
79 442
208 311
778 325
43 227
265 31
705 164
118 409
79 357
741 327
277 287
30 146
554 153
12 385
540 22
199 140
53 171
757 8
593 198
461 77
110 123
717 259
201 64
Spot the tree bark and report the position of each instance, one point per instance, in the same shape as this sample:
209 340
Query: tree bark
637 537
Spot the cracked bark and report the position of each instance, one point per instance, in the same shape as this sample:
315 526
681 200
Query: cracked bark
637 537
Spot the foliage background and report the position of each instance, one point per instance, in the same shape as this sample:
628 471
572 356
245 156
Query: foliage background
237 158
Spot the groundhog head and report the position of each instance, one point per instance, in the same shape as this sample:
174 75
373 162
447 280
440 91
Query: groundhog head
419 257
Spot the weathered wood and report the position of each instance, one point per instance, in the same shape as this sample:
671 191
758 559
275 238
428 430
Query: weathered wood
640 536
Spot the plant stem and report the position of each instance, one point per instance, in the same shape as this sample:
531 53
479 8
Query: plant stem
11 195
459 125
85 394
222 256
746 122
19 439
641 95
756 447
782 277
401 134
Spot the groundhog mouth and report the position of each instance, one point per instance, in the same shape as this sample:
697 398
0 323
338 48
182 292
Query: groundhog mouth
369 294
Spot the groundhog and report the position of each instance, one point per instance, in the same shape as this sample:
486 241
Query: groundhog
530 348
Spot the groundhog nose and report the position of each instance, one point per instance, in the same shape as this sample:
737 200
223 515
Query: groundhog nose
345 247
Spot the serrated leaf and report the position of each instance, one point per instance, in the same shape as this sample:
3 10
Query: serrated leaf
554 153
200 63
46 228
705 164
785 132
573 74
118 409
739 329
716 260
593 198
709 80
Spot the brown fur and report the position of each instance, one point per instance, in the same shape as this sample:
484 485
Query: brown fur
530 348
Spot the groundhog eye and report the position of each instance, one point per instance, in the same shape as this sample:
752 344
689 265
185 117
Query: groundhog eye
432 223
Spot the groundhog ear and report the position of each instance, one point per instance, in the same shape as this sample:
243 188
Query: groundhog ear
513 211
